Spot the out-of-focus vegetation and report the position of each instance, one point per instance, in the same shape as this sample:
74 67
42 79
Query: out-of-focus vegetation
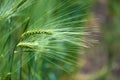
112 40
103 61
46 39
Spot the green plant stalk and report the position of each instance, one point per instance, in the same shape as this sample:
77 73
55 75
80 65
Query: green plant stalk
20 77
11 57
33 71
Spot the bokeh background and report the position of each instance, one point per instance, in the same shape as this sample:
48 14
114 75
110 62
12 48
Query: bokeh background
102 60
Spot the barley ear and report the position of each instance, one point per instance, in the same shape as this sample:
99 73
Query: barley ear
29 33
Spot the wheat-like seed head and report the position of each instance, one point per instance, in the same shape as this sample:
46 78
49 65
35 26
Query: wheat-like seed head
27 45
29 33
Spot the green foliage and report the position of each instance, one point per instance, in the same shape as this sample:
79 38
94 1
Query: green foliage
41 37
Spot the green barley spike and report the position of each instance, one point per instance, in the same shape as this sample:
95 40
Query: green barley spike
28 33
27 45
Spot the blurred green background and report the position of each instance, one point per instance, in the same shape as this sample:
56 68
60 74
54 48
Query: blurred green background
102 60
